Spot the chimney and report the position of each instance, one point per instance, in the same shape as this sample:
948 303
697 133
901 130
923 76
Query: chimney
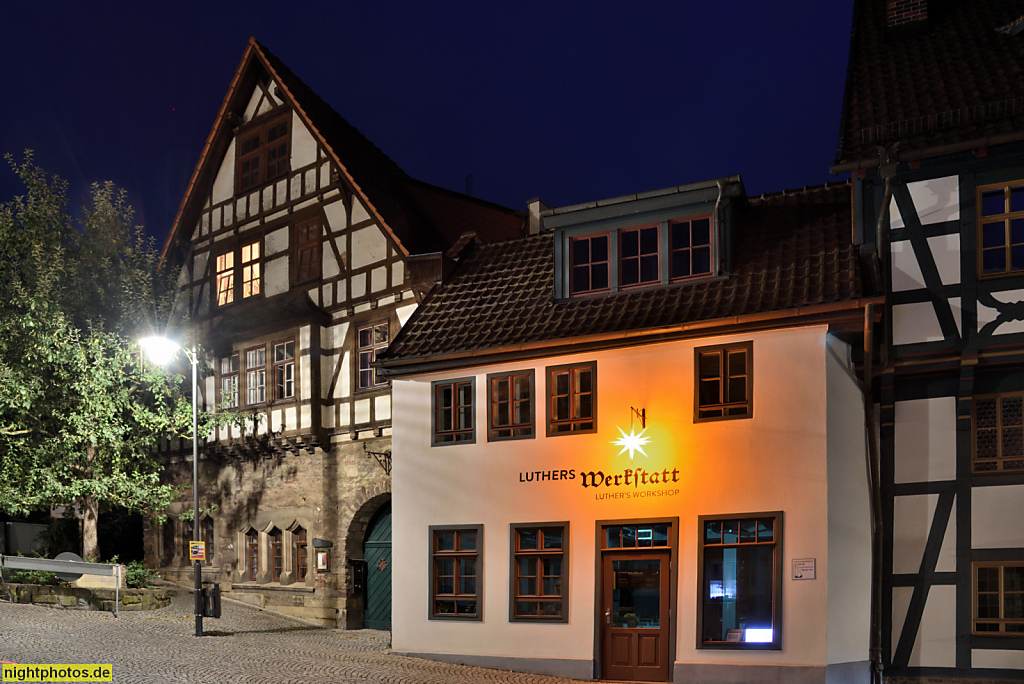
533 209
901 13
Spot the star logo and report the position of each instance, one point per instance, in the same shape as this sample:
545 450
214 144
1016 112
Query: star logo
631 442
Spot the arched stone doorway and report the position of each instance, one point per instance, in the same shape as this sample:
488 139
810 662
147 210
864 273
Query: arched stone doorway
377 553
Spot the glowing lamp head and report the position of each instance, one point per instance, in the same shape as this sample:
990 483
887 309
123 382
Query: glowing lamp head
159 350
631 442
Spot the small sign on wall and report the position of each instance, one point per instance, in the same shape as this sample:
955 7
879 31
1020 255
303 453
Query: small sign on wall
197 550
804 568
323 563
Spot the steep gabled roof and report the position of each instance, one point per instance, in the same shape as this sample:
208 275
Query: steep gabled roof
792 255
386 190
953 82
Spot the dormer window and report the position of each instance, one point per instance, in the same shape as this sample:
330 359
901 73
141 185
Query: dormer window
638 256
589 264
263 153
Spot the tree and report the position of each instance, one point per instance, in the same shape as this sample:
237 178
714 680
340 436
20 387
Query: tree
81 411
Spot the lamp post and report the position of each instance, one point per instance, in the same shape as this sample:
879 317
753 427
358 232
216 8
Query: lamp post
161 351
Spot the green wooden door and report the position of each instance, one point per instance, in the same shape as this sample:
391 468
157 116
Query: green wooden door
377 552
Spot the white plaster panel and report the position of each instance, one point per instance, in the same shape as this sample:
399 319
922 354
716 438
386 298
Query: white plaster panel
343 414
906 273
336 216
267 198
397 273
183 275
240 211
378 279
276 242
362 411
404 313
359 213
229 214
958 314
895 218
275 277
204 223
946 253
342 292
993 509
200 265
358 286
303 144
988 314
309 181
362 308
935 645
382 407
915 323
304 337
368 246
946 562
295 185
912 520
344 386
305 414
327 297
250 107
327 416
314 295
224 181
289 418
329 262
936 200
1003 659
925 440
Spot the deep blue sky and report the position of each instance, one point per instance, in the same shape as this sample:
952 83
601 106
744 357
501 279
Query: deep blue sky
568 101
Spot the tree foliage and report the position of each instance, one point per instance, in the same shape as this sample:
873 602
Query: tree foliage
80 409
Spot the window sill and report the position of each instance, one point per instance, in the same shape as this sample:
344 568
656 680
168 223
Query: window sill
254 586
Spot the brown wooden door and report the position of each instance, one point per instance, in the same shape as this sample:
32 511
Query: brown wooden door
635 616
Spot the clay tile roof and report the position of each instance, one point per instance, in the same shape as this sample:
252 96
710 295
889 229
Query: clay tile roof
791 250
953 80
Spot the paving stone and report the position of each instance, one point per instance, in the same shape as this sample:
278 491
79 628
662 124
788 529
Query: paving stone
244 645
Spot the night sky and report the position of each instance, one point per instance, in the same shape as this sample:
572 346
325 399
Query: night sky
566 101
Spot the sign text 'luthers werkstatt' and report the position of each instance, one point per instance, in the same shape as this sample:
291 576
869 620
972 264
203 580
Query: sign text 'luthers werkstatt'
630 483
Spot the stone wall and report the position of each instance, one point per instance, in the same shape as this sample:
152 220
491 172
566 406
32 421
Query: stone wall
79 598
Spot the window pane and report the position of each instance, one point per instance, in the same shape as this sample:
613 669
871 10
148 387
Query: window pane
730 531
612 537
649 271
630 243
445 541
649 240
710 365
528 539
737 389
993 203
680 234
526 608
765 529
600 277
599 248
1013 578
701 231
1017 199
993 235
467 541
702 260
738 586
748 531
553 538
993 260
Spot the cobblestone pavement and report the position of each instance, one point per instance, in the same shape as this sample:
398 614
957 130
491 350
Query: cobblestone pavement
244 645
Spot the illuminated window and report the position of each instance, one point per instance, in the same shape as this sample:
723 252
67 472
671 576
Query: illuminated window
372 340
510 405
252 544
455 572
263 153
539 579
306 251
572 398
740 567
1001 228
284 370
301 562
639 262
256 375
998 427
588 264
229 381
453 412
690 241
999 598
238 273
724 382
276 553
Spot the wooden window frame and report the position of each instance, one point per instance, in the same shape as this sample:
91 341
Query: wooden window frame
457 432
300 549
207 533
303 244
725 403
1001 463
623 235
456 554
576 423
282 366
238 273
1007 217
252 554
265 170
275 539
252 372
591 264
497 432
368 353
689 248
1002 623
232 364
516 553
777 580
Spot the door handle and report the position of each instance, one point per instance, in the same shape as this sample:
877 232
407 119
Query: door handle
608 617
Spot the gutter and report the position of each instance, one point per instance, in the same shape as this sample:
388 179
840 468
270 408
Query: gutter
917 155
478 357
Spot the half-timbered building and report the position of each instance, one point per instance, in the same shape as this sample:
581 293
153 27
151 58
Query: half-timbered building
302 249
633 445
933 132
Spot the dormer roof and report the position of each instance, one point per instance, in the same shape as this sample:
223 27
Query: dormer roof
416 215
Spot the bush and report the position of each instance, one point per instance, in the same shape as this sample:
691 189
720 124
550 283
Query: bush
137 576
33 577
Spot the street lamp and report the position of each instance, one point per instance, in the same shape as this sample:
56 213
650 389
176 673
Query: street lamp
161 351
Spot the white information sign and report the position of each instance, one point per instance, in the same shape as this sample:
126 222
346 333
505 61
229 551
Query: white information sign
803 568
